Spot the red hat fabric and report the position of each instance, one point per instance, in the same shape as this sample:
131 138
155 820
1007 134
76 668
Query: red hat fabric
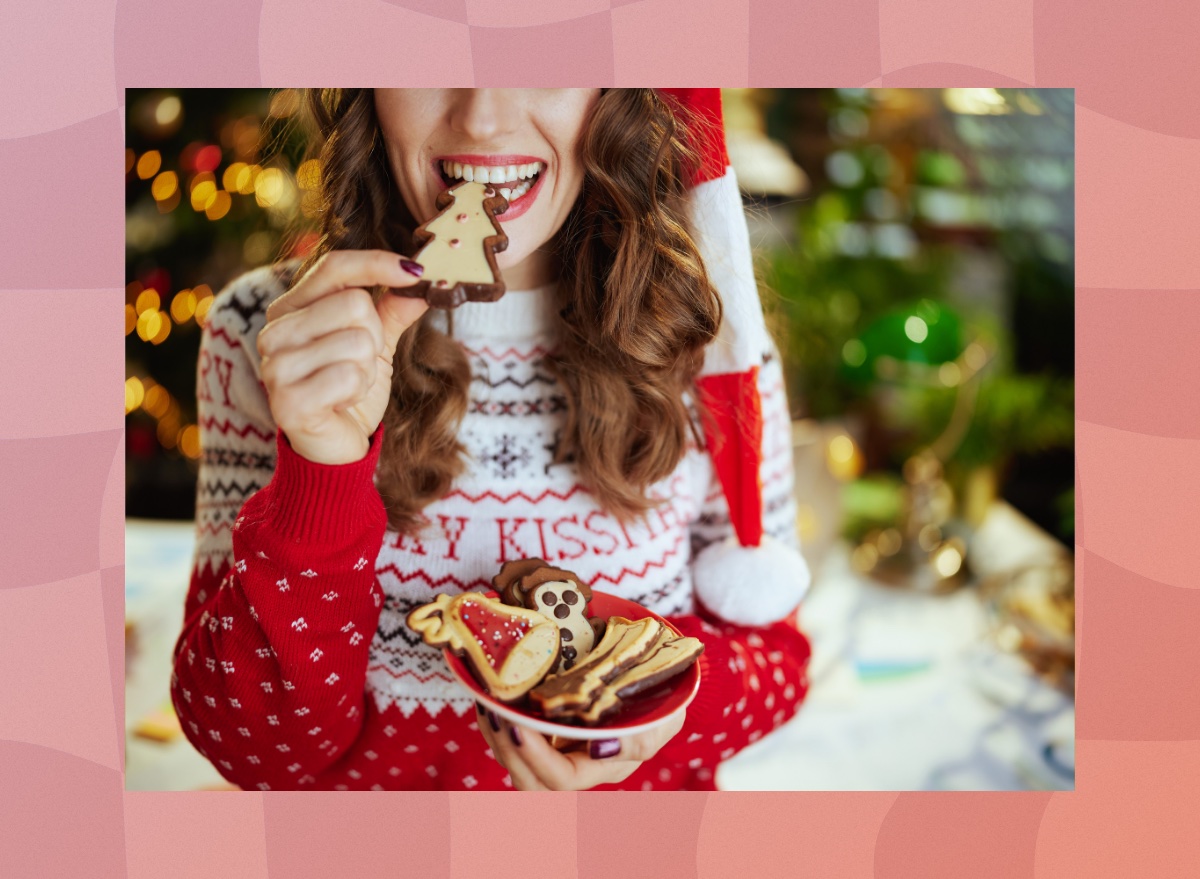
750 579
728 382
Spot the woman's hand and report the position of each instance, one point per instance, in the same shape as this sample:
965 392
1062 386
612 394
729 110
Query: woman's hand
535 765
327 352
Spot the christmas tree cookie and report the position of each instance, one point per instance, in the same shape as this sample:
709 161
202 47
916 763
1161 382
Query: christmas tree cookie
458 248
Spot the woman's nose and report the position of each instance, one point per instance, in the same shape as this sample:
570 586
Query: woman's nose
484 115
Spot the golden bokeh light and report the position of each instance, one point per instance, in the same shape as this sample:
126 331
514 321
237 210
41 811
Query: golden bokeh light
202 192
164 329
130 318
149 164
168 431
247 178
183 306
843 458
269 188
130 159
229 179
148 324
218 206
157 401
165 185
204 300
147 301
135 392
189 441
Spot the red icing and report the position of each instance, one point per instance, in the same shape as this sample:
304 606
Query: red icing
497 633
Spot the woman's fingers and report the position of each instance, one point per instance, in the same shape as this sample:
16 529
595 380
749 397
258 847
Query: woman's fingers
347 308
292 365
303 406
507 742
340 269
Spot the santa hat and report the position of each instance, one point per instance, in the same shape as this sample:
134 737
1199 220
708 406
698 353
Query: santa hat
751 578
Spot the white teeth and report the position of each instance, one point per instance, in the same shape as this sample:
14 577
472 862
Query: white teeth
492 173
506 192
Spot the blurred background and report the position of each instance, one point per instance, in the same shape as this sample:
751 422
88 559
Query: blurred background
916 250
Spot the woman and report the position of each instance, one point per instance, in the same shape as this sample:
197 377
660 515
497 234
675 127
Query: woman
411 452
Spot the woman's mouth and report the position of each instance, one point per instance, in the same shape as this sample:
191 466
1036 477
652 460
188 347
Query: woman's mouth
518 182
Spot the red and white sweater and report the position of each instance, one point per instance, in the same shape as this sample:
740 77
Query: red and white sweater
295 668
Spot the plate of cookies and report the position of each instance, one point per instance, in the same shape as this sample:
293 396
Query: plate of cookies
545 651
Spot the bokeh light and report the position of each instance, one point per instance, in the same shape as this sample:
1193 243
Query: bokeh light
134 393
148 164
165 185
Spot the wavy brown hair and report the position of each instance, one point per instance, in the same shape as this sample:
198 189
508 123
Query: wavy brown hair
636 305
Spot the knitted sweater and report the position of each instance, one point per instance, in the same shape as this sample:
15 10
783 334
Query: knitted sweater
295 668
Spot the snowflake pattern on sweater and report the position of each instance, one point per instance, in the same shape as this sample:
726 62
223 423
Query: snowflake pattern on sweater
296 668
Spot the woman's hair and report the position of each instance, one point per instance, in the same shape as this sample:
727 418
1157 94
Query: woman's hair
636 305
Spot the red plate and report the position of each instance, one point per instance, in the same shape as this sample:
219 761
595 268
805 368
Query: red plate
645 711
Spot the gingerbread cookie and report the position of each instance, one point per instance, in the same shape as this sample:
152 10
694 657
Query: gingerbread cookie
458 248
670 655
559 596
510 649
625 642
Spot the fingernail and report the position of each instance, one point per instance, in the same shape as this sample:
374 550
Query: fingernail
413 268
603 748
515 735
495 722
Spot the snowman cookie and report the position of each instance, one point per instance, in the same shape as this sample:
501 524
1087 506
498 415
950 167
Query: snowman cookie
559 596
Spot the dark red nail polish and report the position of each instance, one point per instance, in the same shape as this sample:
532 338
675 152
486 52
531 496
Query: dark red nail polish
603 748
413 268
515 735
494 721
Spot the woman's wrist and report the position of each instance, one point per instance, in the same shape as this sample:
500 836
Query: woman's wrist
310 500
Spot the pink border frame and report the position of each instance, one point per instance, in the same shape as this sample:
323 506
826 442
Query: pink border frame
63 811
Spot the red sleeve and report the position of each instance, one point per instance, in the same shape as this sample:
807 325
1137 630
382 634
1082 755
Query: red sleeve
270 668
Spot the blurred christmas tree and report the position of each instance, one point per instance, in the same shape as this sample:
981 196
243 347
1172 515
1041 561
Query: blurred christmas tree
212 188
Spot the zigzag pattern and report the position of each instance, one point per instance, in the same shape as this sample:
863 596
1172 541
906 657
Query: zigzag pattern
536 351
433 584
504 499
624 572
217 486
509 380
219 332
224 426
408 672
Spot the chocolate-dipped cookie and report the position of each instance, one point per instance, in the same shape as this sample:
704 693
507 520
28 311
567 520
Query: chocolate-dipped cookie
458 248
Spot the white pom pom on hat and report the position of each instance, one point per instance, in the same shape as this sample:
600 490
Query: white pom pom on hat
749 580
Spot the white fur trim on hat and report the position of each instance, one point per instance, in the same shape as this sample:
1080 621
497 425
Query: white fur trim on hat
750 585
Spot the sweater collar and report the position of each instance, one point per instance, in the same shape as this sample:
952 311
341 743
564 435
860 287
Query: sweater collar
518 315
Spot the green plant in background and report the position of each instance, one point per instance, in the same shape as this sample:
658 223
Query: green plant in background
877 300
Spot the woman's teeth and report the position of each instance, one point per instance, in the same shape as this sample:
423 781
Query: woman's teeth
494 174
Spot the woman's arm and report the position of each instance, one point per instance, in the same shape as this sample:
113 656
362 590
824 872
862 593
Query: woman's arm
270 669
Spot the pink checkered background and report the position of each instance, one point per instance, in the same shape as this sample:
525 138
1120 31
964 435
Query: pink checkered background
64 64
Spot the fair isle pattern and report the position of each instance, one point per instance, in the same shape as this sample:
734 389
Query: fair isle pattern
512 502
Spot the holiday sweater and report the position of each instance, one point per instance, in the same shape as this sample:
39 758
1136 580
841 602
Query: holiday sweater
295 668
